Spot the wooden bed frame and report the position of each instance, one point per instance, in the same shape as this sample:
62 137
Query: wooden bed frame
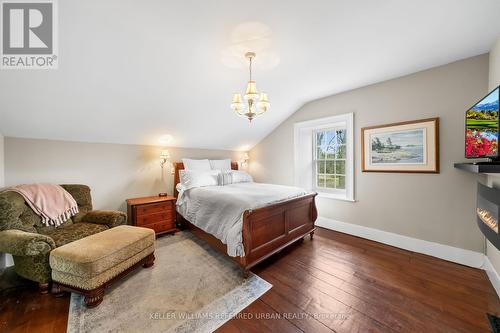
266 230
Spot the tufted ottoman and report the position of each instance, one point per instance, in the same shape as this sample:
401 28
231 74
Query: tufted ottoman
87 266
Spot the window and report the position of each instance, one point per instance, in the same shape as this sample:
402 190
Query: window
324 156
330 159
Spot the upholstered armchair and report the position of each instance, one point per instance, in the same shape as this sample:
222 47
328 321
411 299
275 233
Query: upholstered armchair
23 235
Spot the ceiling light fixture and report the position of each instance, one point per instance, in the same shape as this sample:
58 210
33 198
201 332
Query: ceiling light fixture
252 97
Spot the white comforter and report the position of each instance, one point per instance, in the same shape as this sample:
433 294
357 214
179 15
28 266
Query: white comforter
218 210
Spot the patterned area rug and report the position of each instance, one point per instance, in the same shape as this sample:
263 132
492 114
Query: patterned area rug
191 288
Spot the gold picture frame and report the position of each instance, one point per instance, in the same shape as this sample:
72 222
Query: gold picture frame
404 147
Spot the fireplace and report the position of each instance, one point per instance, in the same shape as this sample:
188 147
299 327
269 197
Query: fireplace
487 212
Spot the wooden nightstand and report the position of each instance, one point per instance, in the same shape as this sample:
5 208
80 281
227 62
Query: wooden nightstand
157 213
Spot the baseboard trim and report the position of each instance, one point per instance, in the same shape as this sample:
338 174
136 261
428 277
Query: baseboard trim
492 274
446 252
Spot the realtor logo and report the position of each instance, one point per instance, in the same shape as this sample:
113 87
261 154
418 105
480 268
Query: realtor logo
29 36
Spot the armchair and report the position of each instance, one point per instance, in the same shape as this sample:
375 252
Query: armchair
23 235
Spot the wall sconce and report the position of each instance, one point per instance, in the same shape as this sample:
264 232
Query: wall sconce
164 157
244 160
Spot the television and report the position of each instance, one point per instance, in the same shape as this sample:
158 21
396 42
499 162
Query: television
482 127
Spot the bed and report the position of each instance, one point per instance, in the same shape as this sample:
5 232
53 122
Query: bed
266 230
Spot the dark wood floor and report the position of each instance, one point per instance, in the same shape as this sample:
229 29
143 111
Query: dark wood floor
334 283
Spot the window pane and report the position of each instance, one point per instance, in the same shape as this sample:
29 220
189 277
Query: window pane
320 153
331 138
320 139
340 183
321 181
340 134
331 151
320 167
330 181
340 167
330 167
341 152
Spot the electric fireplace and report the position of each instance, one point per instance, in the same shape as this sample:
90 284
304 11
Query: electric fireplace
487 211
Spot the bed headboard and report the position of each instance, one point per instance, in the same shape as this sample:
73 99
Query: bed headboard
180 166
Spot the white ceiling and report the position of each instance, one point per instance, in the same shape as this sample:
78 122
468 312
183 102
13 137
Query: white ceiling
130 71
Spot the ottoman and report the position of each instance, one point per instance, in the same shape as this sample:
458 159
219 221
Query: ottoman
87 266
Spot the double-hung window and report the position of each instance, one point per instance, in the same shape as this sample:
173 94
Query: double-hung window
324 150
330 159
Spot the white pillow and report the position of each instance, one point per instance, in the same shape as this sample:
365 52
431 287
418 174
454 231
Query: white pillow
198 178
190 164
235 176
220 164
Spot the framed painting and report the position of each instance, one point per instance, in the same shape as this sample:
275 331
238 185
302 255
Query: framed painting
410 146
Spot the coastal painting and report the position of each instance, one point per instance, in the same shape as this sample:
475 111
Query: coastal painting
410 146
402 147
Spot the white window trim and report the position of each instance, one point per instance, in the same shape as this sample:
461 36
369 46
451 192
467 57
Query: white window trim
311 126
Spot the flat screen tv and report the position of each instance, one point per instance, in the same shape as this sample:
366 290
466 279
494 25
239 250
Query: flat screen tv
482 127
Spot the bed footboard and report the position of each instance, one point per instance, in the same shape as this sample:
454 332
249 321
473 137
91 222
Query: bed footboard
269 229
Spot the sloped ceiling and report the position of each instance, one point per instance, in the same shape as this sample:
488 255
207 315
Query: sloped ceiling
130 71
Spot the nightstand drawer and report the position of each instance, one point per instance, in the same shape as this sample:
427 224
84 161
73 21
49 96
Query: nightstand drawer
165 216
157 213
160 227
154 208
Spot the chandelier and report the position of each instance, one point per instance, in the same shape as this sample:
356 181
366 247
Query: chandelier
256 104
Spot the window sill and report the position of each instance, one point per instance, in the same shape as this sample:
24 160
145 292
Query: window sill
335 196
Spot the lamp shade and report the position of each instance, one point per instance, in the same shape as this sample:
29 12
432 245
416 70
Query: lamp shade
263 103
251 92
237 104
236 98
263 97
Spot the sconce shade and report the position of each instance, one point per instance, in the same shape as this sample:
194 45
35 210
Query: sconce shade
165 154
246 157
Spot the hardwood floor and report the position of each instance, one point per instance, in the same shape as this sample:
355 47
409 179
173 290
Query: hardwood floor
336 283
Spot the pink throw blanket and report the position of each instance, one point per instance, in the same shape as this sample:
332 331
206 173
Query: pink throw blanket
51 202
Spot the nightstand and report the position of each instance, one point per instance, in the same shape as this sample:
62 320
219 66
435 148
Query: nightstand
157 213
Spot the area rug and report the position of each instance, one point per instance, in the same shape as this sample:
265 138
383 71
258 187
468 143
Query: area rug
190 288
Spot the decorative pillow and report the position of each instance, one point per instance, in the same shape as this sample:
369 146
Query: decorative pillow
220 164
190 164
234 176
197 178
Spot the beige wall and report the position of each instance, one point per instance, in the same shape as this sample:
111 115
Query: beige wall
437 208
114 172
494 74
494 81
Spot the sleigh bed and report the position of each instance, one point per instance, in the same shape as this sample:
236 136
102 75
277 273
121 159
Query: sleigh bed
266 230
